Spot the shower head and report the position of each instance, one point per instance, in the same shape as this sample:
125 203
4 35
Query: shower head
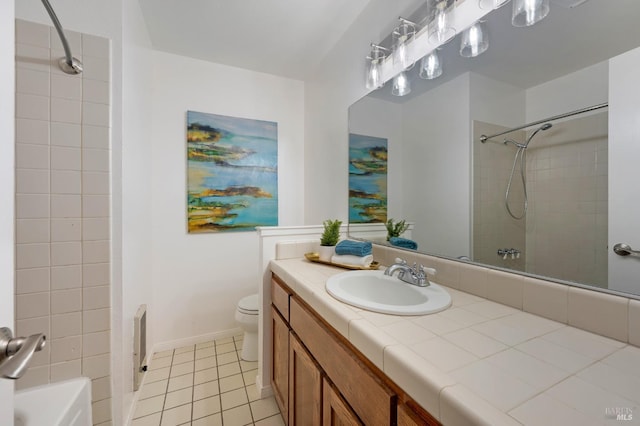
545 126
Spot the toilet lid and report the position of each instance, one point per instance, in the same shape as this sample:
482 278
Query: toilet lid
249 304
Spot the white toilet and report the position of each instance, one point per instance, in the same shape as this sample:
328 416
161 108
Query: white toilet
247 316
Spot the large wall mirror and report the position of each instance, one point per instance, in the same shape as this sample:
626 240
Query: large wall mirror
544 200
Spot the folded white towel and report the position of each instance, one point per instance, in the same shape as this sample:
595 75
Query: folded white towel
348 259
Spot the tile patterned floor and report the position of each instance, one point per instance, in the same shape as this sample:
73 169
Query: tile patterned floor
203 385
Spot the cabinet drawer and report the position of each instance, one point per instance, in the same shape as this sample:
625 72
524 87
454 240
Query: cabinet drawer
280 298
371 399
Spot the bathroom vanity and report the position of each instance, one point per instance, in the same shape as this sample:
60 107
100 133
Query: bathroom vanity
477 363
319 377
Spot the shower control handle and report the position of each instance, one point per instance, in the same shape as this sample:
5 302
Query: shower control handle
622 249
16 353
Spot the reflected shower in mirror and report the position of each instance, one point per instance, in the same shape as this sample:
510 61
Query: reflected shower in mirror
533 197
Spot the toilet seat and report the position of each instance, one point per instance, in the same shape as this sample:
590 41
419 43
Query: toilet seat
249 305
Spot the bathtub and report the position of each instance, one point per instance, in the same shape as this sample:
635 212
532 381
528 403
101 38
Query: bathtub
66 403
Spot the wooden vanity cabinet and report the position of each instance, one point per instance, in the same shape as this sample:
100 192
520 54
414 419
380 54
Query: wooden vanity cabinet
280 361
319 378
335 410
305 386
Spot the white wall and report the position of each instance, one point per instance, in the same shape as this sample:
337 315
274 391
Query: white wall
382 119
624 151
495 102
137 63
436 148
337 83
198 278
7 179
577 90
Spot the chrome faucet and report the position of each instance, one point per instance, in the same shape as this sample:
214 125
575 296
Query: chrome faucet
416 275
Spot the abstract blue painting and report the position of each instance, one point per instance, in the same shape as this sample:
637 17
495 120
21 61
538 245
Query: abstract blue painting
367 179
232 173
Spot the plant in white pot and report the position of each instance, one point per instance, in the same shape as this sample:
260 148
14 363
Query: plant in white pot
329 239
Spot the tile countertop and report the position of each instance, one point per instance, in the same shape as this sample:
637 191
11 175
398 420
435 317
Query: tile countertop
480 362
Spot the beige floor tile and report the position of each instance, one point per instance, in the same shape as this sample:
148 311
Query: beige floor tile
229 347
208 344
181 369
231 383
224 341
264 408
204 363
185 349
163 354
152 420
238 416
227 358
176 416
206 407
158 363
149 406
206 352
248 365
157 375
215 420
177 398
271 421
228 369
183 357
207 375
153 389
233 399
249 377
180 382
206 390
252 393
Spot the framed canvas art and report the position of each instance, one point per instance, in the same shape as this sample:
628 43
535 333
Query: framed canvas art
367 179
232 173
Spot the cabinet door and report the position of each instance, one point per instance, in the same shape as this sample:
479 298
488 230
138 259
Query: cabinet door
305 386
408 417
280 362
335 411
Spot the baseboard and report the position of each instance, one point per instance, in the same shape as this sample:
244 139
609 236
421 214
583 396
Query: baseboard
263 391
178 343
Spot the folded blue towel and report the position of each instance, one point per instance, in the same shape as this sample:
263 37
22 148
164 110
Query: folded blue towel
354 248
403 243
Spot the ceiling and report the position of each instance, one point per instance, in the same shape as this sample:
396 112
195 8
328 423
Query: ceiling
567 40
288 38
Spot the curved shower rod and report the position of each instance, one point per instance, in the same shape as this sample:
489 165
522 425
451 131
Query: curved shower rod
485 138
68 64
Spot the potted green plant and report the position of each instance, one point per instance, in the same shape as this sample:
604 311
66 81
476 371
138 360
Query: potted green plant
395 229
329 239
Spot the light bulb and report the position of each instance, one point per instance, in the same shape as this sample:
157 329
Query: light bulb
401 85
529 12
474 40
430 66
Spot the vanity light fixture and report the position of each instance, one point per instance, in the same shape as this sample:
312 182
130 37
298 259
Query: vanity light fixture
374 65
401 85
529 12
491 4
474 40
440 30
430 66
402 35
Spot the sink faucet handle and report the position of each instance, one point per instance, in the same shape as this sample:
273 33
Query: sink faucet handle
430 271
400 261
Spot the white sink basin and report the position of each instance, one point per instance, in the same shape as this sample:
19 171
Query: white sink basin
374 291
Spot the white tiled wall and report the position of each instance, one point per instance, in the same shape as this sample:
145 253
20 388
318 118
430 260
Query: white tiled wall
63 208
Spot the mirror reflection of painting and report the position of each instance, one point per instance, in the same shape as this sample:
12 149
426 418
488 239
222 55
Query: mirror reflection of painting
232 173
367 179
